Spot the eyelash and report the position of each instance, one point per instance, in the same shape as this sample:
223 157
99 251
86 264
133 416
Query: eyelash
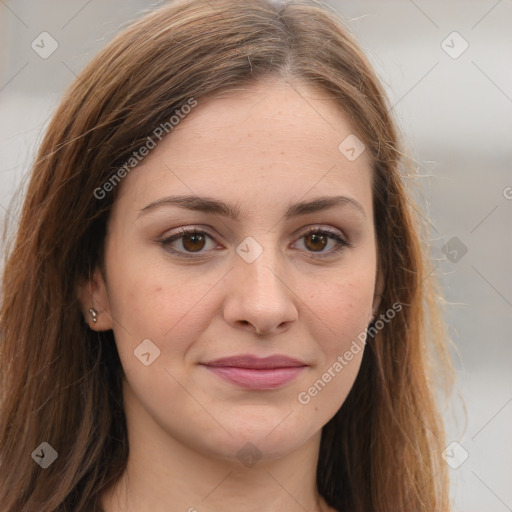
334 235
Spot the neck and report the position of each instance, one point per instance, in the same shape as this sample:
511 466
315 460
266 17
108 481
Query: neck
163 474
196 483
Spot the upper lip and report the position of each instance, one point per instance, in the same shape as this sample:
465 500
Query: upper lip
250 361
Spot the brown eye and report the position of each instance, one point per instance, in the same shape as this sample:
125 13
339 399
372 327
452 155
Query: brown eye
193 242
318 241
187 243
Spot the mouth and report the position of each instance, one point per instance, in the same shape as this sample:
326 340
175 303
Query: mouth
252 372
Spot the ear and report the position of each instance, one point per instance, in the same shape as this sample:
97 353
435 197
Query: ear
92 293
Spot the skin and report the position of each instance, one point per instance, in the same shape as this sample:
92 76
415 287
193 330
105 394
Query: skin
262 148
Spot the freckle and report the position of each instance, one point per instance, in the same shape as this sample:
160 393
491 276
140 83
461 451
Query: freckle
159 289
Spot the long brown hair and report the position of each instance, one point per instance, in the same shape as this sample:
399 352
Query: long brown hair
61 381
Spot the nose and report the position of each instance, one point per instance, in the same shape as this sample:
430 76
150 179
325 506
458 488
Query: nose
260 295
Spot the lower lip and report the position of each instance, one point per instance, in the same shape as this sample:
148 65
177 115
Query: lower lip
257 379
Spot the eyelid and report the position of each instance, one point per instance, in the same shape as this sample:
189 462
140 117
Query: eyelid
313 228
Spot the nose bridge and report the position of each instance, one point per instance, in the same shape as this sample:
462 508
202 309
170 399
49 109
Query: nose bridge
258 293
259 261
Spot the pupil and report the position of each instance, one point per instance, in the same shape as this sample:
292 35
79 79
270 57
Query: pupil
196 238
315 238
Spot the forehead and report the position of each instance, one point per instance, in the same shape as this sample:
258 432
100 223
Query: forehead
261 145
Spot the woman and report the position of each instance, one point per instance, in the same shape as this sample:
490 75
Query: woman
219 195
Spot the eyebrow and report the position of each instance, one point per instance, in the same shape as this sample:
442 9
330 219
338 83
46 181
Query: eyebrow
218 207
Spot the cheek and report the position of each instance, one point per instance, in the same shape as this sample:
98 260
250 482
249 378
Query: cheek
155 302
342 308
339 318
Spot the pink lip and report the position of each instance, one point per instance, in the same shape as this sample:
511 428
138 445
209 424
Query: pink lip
257 373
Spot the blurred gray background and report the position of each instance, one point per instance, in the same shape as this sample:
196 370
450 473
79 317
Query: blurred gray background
446 67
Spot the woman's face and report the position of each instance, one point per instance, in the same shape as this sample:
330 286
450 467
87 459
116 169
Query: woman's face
251 286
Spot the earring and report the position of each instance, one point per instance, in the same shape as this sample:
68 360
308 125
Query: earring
94 314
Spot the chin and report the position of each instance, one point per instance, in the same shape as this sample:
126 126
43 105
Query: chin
260 436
